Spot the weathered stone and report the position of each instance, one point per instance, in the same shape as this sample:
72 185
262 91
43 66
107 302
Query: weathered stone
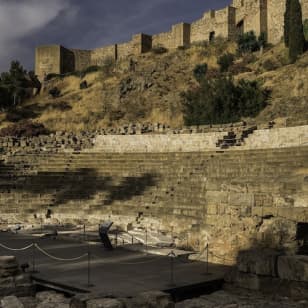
11 302
105 303
258 261
293 267
196 303
152 299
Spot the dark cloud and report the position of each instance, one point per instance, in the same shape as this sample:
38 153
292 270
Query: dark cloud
87 24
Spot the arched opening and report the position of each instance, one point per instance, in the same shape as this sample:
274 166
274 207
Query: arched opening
240 28
212 36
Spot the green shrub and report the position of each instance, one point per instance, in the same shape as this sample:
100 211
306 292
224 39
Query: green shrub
248 42
200 71
159 49
296 31
92 69
51 76
225 61
220 100
286 28
54 92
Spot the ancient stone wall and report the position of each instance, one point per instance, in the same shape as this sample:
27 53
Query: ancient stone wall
47 60
230 200
82 59
214 23
265 16
98 55
276 9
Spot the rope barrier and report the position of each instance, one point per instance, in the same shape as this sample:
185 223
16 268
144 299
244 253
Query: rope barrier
59 259
221 258
16 249
129 263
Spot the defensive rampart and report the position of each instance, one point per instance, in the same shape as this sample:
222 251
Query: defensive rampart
260 16
230 199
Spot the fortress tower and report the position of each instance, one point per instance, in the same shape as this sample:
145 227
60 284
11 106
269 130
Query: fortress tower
260 16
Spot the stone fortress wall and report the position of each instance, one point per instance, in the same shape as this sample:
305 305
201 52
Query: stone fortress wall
232 199
241 16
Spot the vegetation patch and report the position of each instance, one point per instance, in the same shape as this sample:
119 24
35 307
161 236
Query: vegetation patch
220 100
24 129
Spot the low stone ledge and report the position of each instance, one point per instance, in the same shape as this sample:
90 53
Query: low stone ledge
293 268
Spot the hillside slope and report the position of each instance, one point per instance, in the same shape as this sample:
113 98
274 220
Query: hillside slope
150 92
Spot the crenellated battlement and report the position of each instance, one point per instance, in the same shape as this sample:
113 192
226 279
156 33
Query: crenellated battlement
260 16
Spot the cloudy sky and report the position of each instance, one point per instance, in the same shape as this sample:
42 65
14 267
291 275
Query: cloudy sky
86 24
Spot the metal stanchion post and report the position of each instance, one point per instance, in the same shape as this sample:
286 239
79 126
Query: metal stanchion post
84 232
89 267
172 256
207 258
146 240
33 259
206 271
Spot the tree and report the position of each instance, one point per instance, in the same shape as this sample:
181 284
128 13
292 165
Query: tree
220 100
287 23
296 31
200 71
14 83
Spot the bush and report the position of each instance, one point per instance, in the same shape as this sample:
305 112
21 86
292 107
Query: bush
248 42
91 69
225 61
159 49
200 71
270 65
220 100
24 129
54 92
51 76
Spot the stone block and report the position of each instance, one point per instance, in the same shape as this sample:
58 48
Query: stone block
247 281
259 262
105 303
152 299
293 267
11 302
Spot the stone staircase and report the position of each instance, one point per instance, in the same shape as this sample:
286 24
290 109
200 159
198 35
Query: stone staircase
236 138
176 193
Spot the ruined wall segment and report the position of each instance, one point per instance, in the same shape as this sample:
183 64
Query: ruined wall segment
179 35
82 59
260 16
98 55
140 43
47 60
214 23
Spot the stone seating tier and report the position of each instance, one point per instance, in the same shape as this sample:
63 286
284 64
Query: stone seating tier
215 196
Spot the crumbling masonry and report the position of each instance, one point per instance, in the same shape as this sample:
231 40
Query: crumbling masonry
241 16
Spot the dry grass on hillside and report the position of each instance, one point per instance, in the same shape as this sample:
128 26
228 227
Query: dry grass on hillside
152 92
